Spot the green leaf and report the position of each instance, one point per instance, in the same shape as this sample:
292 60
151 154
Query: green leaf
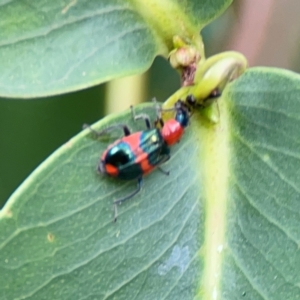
223 225
53 47
261 258
58 239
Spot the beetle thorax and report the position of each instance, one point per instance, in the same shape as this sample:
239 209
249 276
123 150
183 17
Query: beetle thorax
172 132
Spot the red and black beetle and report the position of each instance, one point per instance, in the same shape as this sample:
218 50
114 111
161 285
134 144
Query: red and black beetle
137 154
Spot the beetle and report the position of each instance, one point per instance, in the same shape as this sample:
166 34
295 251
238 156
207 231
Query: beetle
137 154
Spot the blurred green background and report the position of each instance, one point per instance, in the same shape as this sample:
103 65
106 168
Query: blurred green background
266 32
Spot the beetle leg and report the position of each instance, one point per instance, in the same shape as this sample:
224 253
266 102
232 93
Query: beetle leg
119 201
163 171
164 159
126 130
141 116
159 121
159 111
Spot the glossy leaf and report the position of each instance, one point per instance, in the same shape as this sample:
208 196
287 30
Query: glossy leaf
53 47
60 225
223 225
261 255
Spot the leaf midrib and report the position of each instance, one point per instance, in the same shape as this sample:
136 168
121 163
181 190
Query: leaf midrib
214 160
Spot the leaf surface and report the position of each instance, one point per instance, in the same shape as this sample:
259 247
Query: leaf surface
60 225
54 47
223 225
262 259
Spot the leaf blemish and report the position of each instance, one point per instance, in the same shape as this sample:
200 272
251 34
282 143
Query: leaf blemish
178 258
50 237
8 213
